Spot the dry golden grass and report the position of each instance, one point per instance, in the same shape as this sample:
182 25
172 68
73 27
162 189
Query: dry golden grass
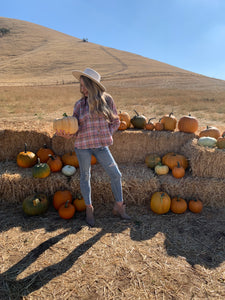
152 257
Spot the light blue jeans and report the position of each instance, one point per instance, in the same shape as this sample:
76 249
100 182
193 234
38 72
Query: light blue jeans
105 158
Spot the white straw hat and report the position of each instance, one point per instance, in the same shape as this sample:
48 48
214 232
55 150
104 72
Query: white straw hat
91 74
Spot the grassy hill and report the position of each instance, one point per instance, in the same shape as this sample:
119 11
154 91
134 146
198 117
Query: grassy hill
36 64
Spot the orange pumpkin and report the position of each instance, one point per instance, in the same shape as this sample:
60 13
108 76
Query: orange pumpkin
43 153
159 126
150 125
66 210
169 122
55 163
188 124
124 116
178 171
79 203
72 160
221 142
171 159
178 205
26 159
211 132
160 202
123 125
60 197
195 205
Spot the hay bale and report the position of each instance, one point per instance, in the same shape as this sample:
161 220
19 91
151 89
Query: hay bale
16 183
61 145
131 146
12 142
205 162
209 190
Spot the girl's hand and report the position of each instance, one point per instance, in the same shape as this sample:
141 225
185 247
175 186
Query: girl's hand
63 134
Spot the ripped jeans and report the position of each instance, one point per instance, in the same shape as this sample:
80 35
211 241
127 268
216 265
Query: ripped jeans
105 158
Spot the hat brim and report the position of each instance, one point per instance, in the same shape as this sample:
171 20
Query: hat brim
77 74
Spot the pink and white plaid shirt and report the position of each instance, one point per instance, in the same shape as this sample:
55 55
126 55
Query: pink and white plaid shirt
94 131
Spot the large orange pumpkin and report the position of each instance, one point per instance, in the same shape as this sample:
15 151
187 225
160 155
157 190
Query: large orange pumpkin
211 132
43 153
160 202
169 122
188 124
60 197
55 163
171 160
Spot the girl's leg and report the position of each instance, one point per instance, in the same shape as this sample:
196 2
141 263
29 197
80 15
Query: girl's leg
84 159
105 158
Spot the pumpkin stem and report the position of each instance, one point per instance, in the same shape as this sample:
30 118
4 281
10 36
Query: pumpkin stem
39 161
170 114
178 164
25 147
51 156
79 196
136 112
65 115
67 203
150 120
36 202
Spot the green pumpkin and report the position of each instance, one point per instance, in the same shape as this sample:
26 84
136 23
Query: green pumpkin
41 170
138 121
152 160
35 204
207 142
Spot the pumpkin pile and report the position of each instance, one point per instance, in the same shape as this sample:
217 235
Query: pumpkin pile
161 203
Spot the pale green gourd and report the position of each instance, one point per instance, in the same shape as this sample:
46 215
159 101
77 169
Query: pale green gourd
207 142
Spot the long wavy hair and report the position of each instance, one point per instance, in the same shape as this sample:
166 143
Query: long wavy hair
97 100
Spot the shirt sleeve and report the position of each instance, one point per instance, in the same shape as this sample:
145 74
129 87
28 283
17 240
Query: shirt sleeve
115 123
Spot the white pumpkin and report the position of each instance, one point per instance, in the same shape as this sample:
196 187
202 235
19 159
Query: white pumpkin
68 170
67 124
207 141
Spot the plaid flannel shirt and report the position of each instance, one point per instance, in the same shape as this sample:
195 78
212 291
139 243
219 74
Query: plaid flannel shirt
94 131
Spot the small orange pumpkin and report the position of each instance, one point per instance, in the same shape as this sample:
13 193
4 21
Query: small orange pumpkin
150 125
66 210
55 163
43 153
26 159
124 116
159 126
123 125
79 203
178 205
60 197
195 205
178 171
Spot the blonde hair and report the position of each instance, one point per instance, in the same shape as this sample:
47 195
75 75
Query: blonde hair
97 100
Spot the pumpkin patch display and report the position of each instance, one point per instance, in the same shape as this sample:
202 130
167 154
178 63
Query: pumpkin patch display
44 152
161 169
221 142
171 159
41 170
178 205
151 160
26 159
124 117
169 122
207 141
55 163
68 124
210 131
195 205
178 171
60 197
79 203
160 202
67 210
35 204
150 125
188 124
138 121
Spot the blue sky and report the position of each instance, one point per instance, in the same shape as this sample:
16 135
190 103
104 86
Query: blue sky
189 34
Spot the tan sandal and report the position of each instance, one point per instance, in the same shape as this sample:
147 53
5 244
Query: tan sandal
119 210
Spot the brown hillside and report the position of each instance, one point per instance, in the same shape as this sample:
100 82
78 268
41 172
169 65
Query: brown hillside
35 56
